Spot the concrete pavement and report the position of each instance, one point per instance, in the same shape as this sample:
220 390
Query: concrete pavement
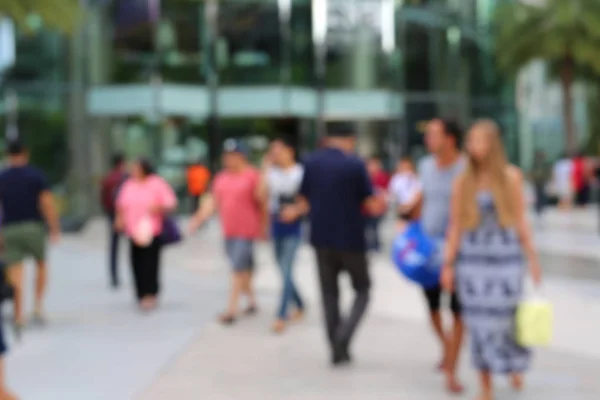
98 347
395 350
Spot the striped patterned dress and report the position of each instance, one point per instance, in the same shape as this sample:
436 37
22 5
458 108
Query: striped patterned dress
490 277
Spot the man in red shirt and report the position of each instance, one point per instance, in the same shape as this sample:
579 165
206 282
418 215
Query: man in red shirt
380 180
379 177
110 187
237 199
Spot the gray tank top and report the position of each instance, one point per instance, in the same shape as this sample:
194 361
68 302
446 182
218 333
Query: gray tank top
437 192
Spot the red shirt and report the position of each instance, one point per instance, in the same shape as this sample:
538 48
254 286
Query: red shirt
238 207
381 180
579 173
110 184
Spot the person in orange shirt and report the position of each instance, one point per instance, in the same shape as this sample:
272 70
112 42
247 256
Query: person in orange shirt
198 177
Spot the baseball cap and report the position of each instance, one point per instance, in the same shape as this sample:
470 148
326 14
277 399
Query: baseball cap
235 146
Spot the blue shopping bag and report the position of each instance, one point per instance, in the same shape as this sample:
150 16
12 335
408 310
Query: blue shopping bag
417 256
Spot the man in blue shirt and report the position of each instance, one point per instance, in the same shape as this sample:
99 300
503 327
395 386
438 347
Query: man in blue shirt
335 188
27 207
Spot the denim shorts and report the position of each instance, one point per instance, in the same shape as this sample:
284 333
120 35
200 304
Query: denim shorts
240 253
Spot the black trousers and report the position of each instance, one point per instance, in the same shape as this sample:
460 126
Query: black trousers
195 198
540 198
582 197
113 266
331 264
145 263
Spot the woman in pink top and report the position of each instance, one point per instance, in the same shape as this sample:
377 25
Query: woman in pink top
142 203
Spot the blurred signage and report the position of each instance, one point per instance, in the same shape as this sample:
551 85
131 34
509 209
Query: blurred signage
129 13
7 44
345 17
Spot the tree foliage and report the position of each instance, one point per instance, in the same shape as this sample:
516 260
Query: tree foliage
564 33
62 15
558 30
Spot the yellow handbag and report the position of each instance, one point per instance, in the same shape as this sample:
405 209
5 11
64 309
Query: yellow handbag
534 323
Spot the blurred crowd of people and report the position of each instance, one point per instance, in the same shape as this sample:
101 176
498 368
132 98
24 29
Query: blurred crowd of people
569 181
472 202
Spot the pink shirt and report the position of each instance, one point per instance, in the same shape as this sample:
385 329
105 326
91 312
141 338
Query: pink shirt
239 210
137 198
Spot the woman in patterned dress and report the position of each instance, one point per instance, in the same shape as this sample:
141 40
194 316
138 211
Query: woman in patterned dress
489 242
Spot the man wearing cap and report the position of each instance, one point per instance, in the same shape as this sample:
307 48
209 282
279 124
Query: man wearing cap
334 189
236 196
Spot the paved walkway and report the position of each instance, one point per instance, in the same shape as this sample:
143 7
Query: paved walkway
99 347
575 233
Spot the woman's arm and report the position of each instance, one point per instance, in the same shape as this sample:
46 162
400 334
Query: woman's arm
452 237
522 223
262 193
262 188
119 223
167 200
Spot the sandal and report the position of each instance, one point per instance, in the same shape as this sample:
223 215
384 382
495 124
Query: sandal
297 315
278 327
18 328
251 310
39 319
227 319
453 387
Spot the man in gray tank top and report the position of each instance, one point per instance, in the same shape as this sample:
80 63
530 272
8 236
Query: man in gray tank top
437 184
437 173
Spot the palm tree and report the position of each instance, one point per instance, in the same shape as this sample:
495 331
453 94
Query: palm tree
62 15
565 33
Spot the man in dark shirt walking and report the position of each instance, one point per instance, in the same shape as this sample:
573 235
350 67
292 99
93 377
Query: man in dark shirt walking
110 186
334 189
27 203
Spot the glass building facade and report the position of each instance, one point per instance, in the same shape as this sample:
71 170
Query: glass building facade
171 80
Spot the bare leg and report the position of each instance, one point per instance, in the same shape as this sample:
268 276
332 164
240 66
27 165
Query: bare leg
14 275
248 289
237 287
4 393
40 287
455 339
438 327
487 389
517 382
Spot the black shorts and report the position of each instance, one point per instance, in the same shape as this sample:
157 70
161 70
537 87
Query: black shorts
434 299
404 216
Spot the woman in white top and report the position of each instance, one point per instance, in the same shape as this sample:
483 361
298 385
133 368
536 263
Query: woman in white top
281 183
405 188
563 170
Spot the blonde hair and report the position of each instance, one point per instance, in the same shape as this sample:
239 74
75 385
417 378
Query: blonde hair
496 164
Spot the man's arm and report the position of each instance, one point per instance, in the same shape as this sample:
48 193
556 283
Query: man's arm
207 208
367 196
50 213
